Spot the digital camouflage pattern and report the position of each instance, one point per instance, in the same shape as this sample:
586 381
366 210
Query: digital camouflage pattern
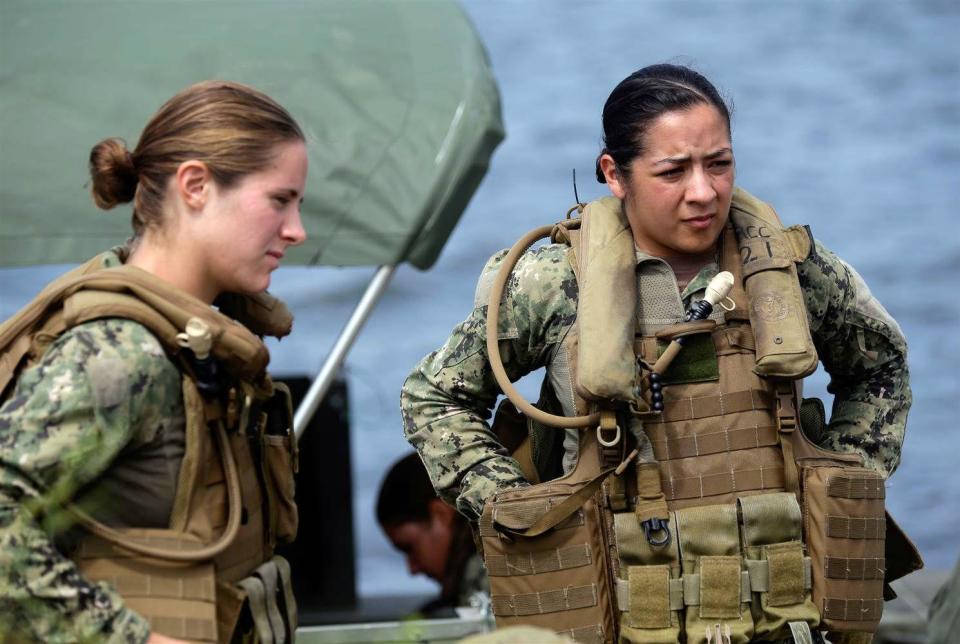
447 399
102 390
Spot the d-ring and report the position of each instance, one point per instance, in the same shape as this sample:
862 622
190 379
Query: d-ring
725 306
616 437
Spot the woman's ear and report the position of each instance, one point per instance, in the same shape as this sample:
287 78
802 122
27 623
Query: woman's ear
441 511
191 182
610 172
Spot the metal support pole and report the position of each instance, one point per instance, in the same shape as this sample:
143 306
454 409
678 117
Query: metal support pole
318 389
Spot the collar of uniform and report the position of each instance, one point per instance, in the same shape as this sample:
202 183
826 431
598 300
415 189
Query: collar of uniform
698 283
116 256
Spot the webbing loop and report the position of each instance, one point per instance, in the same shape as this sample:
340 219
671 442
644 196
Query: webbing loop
611 443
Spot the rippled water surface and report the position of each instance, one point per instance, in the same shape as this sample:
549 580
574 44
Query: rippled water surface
847 118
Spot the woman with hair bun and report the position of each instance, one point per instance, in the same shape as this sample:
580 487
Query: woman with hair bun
146 457
659 491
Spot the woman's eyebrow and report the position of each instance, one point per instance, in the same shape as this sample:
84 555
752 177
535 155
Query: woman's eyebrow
686 157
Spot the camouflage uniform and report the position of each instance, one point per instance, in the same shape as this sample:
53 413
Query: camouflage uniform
104 393
447 399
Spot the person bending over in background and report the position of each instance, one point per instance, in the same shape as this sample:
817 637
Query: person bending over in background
432 535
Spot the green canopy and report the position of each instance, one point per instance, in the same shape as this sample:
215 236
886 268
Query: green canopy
397 99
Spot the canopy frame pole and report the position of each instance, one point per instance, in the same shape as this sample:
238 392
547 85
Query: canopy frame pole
321 384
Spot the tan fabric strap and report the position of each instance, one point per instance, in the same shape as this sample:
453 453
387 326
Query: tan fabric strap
759 572
692 584
166 587
543 603
730 261
840 527
189 628
592 634
524 456
856 485
486 529
286 585
801 633
651 502
677 410
559 512
686 590
257 604
743 480
854 568
852 610
626 598
268 575
732 339
787 419
714 442
533 563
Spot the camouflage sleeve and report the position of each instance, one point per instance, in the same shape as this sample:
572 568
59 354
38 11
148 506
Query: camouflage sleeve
863 349
446 400
93 392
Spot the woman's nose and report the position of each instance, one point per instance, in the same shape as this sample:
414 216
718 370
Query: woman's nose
700 188
293 231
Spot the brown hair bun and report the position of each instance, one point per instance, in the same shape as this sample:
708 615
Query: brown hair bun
113 173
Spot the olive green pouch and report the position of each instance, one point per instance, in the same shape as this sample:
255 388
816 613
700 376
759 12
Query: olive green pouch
649 590
779 570
715 587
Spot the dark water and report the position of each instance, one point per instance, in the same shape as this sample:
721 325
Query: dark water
847 118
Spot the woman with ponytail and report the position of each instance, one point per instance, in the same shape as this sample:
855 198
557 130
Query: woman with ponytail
707 432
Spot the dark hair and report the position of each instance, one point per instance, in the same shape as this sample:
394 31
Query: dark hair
641 98
405 493
231 127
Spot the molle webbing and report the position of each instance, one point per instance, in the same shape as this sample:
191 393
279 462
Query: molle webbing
718 440
534 563
178 600
845 526
559 578
542 603
585 634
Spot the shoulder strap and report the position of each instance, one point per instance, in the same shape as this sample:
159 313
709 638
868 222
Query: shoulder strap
17 332
606 304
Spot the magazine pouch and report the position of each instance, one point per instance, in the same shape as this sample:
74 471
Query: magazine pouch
649 589
716 588
845 523
779 570
558 579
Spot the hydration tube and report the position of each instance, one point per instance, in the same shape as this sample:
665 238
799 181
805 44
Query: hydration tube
493 347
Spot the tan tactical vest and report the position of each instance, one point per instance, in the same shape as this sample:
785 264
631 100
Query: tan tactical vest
766 535
214 565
